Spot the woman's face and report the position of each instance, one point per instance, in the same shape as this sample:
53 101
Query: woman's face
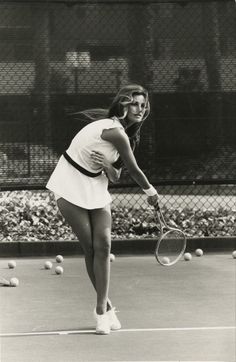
136 109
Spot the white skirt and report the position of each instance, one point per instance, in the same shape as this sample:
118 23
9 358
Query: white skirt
81 190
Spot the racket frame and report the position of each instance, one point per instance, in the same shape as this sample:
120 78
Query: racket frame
164 226
4 282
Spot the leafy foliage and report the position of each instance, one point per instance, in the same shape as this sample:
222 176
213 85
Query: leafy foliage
34 216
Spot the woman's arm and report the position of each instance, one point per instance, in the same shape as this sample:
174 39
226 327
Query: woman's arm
121 142
112 173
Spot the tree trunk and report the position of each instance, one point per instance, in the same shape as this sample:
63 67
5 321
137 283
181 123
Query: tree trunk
141 43
141 62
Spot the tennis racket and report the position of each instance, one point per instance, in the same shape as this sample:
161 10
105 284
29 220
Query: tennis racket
171 243
4 282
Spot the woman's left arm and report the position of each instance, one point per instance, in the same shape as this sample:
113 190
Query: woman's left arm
112 173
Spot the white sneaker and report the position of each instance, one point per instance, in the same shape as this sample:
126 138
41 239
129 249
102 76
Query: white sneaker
103 323
114 321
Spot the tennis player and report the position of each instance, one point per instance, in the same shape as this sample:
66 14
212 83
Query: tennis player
80 183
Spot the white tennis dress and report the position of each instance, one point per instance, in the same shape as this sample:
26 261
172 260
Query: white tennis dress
67 182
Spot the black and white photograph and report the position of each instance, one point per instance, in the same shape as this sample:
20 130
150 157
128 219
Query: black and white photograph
118 180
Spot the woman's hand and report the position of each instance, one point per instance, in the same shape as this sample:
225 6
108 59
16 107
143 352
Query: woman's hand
99 158
153 200
112 173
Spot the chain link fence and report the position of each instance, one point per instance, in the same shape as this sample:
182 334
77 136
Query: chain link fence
58 58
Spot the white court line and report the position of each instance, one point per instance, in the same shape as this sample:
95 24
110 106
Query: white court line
89 331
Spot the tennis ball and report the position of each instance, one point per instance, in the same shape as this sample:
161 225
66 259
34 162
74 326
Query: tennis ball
234 254
187 256
59 258
11 264
165 260
199 252
112 257
14 282
59 270
48 265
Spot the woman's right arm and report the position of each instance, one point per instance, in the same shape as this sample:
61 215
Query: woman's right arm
121 142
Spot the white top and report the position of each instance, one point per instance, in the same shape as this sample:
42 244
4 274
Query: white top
67 182
89 139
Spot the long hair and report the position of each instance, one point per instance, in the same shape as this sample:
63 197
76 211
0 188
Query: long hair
119 109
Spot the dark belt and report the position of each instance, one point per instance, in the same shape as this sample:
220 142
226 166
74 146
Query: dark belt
80 168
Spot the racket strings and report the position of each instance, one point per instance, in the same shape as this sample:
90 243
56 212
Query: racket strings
171 247
171 244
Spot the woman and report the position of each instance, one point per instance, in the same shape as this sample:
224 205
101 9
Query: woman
80 183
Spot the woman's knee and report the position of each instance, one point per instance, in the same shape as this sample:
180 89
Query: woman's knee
101 222
102 245
88 250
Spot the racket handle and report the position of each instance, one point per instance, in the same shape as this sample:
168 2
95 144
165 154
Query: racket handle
157 207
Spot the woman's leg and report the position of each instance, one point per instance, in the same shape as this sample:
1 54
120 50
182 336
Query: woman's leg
101 226
79 220
89 226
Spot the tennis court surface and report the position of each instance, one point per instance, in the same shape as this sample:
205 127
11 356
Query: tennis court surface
181 313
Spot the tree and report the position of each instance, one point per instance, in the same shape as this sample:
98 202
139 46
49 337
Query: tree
141 62
141 44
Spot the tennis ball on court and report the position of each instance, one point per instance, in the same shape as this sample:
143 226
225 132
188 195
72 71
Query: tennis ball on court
234 254
112 257
165 260
59 258
199 252
14 282
187 256
59 270
11 264
48 265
